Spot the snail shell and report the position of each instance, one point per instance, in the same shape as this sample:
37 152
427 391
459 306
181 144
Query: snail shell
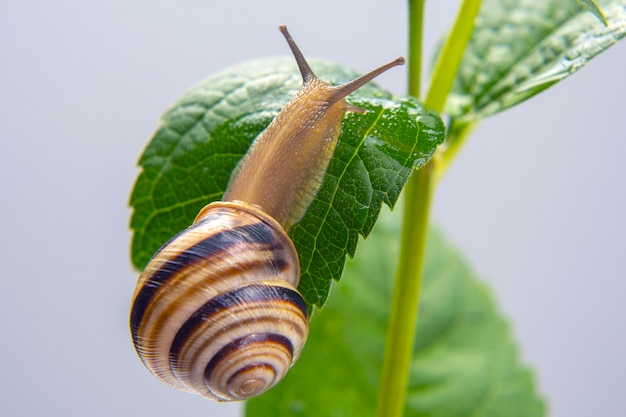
216 311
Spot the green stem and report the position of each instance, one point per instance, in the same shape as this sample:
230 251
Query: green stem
444 74
405 299
451 54
417 203
416 16
400 333
454 142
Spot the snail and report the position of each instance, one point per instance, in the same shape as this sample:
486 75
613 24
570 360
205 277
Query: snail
216 311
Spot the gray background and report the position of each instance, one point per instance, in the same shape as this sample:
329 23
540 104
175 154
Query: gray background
536 200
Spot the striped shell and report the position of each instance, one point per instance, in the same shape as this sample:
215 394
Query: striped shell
216 311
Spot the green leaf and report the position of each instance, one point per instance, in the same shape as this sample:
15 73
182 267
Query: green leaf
464 361
188 162
521 47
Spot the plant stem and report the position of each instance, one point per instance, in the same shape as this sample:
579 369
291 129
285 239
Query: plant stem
404 302
405 299
450 56
444 74
417 203
416 16
454 142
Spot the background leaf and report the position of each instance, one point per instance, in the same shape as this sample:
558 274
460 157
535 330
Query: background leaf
521 47
188 162
464 360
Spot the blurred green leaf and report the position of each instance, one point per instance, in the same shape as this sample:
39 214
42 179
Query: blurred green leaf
521 47
464 362
188 162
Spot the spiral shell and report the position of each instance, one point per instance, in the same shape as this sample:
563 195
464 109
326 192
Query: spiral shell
216 311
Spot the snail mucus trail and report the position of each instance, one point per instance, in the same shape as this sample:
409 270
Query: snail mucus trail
216 311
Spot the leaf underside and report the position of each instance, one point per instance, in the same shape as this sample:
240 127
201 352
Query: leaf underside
521 47
202 137
464 361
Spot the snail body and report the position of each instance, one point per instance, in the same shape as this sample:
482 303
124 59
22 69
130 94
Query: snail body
216 311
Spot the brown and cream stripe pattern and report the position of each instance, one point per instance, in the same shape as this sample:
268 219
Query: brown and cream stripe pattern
216 311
